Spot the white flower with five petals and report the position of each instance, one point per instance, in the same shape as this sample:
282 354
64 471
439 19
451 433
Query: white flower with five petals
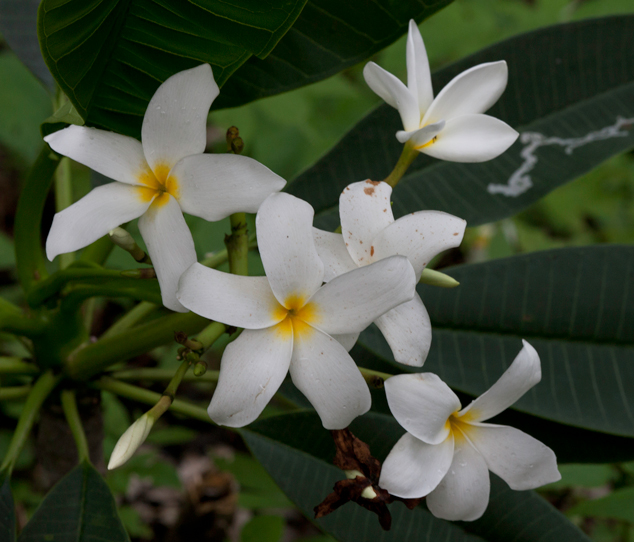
159 179
369 234
451 126
447 452
292 322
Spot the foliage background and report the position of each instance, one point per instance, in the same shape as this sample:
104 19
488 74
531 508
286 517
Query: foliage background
288 133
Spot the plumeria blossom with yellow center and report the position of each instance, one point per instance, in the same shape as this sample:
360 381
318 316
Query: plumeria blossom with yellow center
447 452
159 178
369 234
291 322
452 125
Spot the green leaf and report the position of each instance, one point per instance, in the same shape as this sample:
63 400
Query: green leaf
573 305
572 102
583 476
297 451
617 505
65 115
263 529
7 512
328 37
23 105
109 56
18 26
80 508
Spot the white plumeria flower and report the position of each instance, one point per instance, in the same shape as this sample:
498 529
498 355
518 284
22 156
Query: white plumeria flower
451 126
292 322
159 179
369 234
447 452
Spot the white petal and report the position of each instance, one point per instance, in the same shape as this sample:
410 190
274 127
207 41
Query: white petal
101 210
463 494
413 468
348 340
473 91
471 138
170 246
213 186
251 371
395 93
364 209
333 252
422 404
174 125
130 441
116 156
407 329
350 302
420 236
520 460
418 75
521 376
284 226
326 374
231 299
422 136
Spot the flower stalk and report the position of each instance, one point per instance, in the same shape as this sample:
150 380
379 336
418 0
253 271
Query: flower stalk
69 405
408 155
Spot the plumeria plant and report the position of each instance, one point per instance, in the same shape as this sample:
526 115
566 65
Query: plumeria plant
331 325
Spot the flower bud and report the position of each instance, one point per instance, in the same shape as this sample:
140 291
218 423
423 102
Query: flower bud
123 239
436 278
200 368
128 443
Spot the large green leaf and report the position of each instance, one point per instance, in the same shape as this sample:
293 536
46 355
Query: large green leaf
80 508
109 56
573 305
328 36
616 505
7 512
570 95
297 451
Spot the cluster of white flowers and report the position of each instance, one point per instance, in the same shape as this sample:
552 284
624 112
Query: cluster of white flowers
321 289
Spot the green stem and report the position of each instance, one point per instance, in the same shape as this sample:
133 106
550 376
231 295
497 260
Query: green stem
97 252
150 398
64 199
94 358
220 257
69 405
238 245
124 287
39 392
30 260
131 318
161 375
52 285
13 320
16 392
14 365
408 155
172 387
374 379
211 334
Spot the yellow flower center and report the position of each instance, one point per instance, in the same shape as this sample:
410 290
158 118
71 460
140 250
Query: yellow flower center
459 427
158 185
428 144
297 316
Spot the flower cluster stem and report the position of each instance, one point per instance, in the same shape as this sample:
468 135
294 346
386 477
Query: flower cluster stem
374 379
13 320
131 318
64 199
148 397
211 334
153 374
69 405
238 245
408 155
39 392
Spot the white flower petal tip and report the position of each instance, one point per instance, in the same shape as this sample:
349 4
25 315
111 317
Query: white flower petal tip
418 75
422 404
130 441
521 376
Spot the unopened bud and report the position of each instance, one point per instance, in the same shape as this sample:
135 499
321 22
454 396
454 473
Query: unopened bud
192 357
436 278
200 368
368 492
237 145
130 441
123 239
234 141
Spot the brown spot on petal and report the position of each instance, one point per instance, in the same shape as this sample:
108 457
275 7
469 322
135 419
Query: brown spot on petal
373 183
456 233
368 190
371 251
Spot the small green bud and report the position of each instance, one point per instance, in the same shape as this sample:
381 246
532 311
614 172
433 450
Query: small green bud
200 368
192 357
436 278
